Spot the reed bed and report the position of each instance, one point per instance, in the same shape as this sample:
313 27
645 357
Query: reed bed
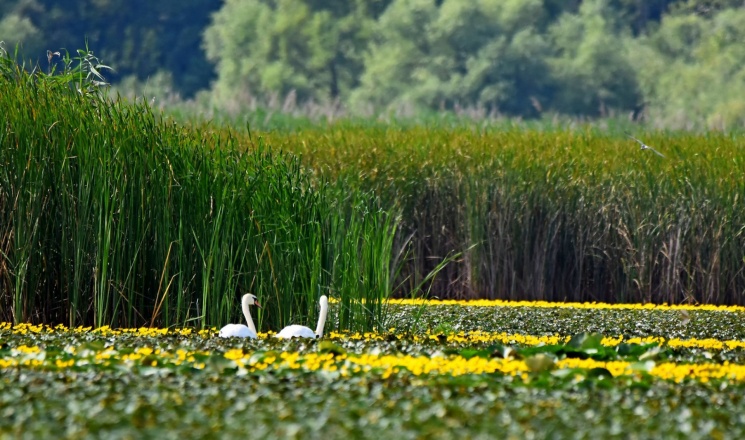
558 215
110 215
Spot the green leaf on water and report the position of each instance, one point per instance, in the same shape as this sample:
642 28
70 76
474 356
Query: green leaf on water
330 347
599 373
645 366
540 363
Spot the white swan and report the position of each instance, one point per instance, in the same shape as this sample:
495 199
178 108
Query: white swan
240 330
301 331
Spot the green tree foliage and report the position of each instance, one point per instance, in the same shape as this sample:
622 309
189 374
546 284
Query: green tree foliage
310 48
429 53
705 8
137 37
639 15
692 71
636 14
677 59
16 29
590 66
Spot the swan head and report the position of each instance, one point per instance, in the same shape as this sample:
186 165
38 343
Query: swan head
251 300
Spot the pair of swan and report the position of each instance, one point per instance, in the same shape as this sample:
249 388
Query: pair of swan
291 331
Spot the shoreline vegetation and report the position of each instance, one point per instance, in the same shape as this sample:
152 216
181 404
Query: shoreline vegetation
111 214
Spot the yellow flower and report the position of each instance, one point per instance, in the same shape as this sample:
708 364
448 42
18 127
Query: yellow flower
234 354
7 363
550 304
64 364
27 349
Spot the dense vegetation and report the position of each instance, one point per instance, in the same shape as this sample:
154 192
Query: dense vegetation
110 215
580 215
468 382
672 63
141 38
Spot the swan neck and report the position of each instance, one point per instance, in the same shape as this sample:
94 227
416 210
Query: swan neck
247 313
322 316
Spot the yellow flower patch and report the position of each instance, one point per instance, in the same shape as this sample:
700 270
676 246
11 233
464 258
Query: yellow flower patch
352 364
477 336
563 305
471 337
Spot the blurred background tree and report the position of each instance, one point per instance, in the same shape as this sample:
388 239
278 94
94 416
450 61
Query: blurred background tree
138 38
312 49
678 63
692 70
17 29
488 53
590 63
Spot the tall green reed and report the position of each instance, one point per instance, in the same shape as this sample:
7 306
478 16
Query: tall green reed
552 215
112 216
364 257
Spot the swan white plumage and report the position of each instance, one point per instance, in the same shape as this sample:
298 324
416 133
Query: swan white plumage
240 330
301 331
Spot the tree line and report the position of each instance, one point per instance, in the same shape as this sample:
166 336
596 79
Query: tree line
678 63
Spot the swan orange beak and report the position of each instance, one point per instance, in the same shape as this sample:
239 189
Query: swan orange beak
256 303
